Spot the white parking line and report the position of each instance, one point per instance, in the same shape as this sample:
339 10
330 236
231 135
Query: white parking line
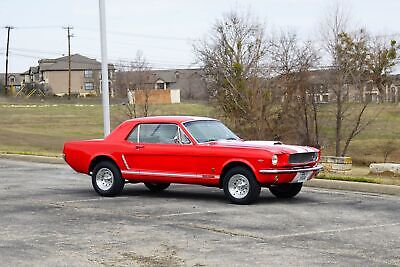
84 200
334 230
183 213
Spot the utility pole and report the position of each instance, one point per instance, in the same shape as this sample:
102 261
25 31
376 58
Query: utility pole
69 28
104 68
8 45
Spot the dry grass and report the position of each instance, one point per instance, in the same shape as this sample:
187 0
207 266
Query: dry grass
43 128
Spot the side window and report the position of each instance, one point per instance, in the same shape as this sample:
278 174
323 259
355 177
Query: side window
158 133
133 137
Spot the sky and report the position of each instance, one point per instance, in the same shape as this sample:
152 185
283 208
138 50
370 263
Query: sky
164 30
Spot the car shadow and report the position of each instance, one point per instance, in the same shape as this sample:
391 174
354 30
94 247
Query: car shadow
174 193
207 194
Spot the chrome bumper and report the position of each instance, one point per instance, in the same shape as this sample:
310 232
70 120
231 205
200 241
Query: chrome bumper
315 168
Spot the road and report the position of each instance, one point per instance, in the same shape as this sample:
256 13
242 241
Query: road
50 216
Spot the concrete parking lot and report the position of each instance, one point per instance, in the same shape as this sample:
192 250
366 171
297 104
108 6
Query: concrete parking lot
50 216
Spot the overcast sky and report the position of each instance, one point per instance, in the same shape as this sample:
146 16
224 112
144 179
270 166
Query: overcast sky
164 30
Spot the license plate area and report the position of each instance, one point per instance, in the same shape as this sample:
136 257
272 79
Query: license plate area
302 177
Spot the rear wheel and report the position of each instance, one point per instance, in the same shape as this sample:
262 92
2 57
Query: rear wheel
106 179
157 187
286 190
240 186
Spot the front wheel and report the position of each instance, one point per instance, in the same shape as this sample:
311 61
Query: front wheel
241 186
157 187
107 180
285 190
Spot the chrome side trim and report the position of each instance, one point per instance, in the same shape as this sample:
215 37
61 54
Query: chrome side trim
169 174
315 168
125 163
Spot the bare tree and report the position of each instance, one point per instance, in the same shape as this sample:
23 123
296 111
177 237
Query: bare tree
353 71
134 76
383 57
234 59
387 148
290 63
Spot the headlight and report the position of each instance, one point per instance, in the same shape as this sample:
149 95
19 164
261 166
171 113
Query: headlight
274 159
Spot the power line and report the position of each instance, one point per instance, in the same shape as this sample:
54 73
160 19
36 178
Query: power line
149 36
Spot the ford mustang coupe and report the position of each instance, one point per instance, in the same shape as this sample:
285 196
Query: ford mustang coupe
162 150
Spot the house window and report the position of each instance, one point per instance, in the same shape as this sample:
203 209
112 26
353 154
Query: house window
160 85
89 86
88 73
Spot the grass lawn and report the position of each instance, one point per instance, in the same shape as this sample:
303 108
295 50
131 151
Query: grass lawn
361 174
42 128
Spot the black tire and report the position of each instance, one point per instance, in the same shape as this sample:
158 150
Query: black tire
107 187
157 187
246 196
285 190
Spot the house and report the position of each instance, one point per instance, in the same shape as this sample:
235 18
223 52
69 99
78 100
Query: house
53 75
14 82
322 81
190 82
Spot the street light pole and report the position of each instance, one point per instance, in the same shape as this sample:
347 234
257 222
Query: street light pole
104 69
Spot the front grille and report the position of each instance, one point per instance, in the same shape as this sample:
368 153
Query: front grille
302 157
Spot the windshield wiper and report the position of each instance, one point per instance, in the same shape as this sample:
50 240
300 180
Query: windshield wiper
231 138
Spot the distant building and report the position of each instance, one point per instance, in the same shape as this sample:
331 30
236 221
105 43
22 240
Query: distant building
52 74
322 80
14 81
190 82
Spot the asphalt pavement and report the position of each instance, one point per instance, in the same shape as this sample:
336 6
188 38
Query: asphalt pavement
51 216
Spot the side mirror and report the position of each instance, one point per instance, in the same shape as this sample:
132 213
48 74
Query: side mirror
176 140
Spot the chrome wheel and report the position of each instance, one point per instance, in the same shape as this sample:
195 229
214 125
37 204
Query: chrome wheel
239 186
104 179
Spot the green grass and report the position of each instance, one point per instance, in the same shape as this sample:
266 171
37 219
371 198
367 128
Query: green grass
356 176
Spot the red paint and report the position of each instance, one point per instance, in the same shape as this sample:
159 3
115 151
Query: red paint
196 163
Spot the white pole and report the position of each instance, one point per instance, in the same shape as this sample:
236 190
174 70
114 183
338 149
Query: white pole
104 69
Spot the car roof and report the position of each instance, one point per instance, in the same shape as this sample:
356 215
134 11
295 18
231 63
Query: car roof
169 119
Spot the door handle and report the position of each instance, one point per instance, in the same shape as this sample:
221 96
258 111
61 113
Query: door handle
139 146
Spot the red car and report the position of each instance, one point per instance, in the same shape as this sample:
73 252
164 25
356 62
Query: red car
162 150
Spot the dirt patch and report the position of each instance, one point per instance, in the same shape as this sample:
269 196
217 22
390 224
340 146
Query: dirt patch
165 255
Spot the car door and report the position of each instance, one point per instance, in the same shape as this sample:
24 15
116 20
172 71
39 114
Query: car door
160 153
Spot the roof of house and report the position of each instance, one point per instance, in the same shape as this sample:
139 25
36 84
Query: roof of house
172 75
78 62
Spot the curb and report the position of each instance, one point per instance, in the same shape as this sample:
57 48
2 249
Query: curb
32 158
355 186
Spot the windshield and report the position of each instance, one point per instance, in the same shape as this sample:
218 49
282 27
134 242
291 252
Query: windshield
206 131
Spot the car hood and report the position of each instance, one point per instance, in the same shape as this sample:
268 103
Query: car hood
272 146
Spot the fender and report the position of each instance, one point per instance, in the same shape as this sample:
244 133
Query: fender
240 160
